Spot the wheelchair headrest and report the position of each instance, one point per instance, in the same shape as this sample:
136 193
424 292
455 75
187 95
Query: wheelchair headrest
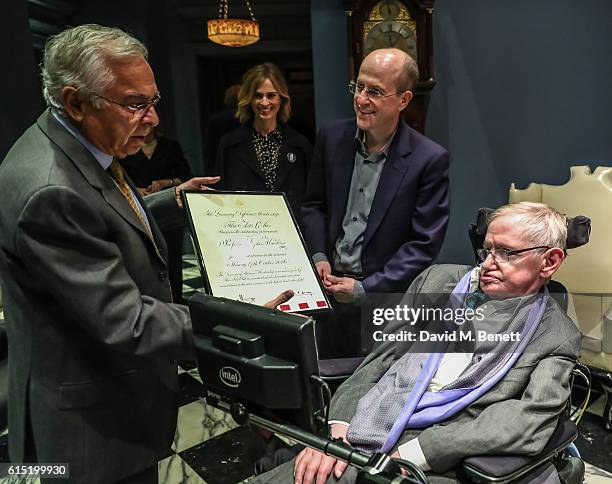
578 230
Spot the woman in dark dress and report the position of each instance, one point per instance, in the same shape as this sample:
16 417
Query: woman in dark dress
160 164
264 153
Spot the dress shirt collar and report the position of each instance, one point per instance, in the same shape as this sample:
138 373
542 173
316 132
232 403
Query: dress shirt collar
360 136
102 158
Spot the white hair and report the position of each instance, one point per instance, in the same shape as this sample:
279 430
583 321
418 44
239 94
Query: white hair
80 57
541 224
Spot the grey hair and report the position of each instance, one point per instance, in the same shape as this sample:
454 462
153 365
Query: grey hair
542 225
80 57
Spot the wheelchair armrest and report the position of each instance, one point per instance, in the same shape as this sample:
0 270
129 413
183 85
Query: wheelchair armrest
503 468
339 369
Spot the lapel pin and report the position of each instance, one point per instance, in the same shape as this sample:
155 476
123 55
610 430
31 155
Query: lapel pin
291 157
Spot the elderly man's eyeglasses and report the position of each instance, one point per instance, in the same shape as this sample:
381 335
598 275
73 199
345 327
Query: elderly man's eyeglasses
370 92
138 110
503 255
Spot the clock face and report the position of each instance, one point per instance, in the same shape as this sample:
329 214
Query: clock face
391 33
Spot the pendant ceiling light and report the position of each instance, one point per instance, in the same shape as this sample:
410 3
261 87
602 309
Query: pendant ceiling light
231 31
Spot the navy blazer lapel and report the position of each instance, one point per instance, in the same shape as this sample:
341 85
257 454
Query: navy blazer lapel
343 164
396 164
89 167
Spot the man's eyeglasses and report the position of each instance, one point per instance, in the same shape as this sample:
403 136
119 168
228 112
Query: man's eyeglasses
503 255
138 110
370 92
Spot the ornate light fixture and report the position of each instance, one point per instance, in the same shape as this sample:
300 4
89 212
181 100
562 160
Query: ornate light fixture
233 32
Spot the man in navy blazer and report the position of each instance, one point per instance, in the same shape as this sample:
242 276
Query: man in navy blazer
377 200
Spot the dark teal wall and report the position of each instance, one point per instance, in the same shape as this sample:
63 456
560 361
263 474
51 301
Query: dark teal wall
20 96
330 61
524 92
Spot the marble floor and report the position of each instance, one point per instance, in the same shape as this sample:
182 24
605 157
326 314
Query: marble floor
210 448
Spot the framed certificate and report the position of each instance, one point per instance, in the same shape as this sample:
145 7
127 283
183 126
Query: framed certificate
250 249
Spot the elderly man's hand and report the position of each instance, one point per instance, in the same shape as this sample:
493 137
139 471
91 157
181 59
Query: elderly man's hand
196 183
341 288
283 297
314 467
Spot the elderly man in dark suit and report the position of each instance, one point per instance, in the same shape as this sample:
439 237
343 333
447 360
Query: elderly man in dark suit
377 200
93 334
436 406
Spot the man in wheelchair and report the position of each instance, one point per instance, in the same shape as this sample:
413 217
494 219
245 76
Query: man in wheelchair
437 405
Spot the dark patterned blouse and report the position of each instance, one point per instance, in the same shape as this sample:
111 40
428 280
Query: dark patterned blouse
267 149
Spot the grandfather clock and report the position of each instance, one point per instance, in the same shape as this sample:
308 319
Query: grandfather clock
403 24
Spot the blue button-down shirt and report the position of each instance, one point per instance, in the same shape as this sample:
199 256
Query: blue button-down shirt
364 182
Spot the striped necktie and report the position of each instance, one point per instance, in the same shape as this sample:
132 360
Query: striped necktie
116 172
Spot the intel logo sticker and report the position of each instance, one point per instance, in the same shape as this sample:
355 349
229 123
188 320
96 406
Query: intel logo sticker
230 376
